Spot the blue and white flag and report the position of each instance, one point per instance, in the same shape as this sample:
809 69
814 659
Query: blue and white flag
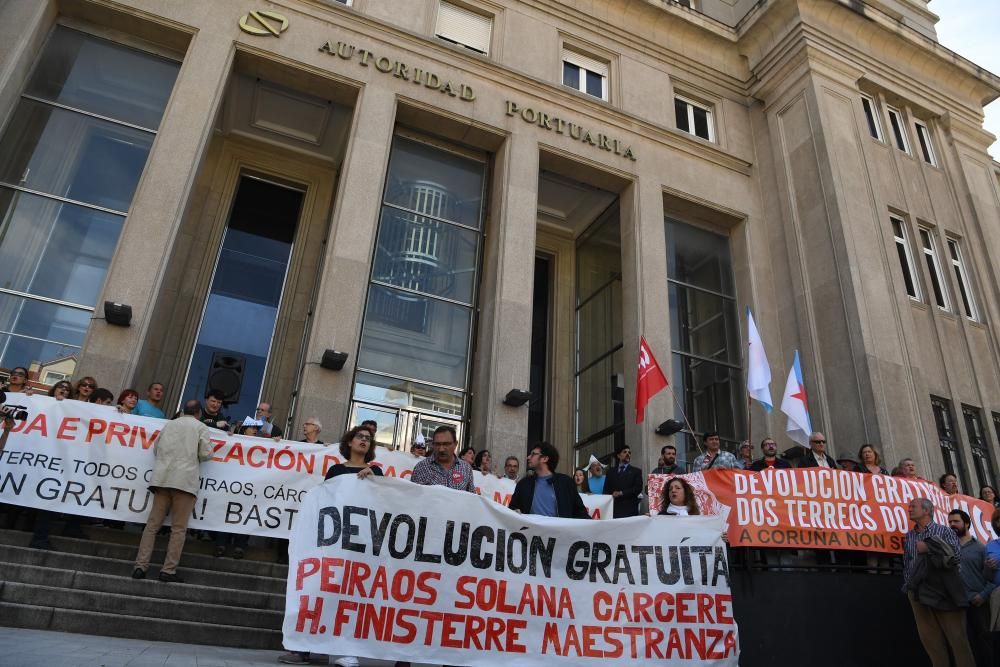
795 405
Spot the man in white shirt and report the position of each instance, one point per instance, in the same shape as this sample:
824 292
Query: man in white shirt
816 457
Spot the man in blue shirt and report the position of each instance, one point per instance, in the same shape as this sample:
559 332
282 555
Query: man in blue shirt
150 406
977 586
547 492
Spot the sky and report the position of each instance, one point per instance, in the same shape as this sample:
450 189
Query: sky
971 28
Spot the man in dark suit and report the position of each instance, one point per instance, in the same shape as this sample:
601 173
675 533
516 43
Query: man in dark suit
816 457
625 484
547 492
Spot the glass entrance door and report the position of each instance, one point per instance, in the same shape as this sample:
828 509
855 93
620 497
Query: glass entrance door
241 311
398 427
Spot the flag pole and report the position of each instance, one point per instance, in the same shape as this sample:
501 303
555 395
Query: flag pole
746 364
684 416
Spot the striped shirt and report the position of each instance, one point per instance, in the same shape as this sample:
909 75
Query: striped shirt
430 473
919 535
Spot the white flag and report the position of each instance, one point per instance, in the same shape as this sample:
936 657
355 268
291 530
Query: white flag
795 405
758 371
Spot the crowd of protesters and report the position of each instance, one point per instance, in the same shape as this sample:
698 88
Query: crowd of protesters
949 577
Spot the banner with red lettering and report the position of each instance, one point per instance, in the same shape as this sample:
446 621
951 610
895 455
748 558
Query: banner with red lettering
382 569
81 458
820 508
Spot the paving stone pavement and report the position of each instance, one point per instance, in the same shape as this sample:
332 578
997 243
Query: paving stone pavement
44 648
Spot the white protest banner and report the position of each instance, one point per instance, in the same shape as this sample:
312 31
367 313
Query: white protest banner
81 458
383 569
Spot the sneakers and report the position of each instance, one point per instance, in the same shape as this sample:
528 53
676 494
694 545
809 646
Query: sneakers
294 658
170 578
346 661
138 573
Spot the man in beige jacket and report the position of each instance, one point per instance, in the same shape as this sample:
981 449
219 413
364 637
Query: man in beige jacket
182 445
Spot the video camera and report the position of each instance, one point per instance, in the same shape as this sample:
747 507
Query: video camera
18 413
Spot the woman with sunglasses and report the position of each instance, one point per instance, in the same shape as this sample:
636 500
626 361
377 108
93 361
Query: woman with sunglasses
17 381
61 390
85 389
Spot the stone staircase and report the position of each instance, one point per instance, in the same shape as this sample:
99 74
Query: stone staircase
85 586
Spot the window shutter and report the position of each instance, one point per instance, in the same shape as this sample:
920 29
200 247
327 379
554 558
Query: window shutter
457 24
586 62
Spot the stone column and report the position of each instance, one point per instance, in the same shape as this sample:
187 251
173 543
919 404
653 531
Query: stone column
644 308
29 23
503 347
340 300
111 353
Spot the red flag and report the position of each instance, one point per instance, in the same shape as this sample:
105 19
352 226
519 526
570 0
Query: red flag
650 380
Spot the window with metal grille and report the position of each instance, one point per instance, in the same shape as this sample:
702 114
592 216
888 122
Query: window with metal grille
982 459
951 452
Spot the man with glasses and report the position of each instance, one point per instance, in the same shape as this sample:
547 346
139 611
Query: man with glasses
511 468
547 492
816 456
624 483
770 460
444 468
311 430
269 428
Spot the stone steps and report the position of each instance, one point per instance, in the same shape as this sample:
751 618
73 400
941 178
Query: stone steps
65 560
85 586
149 588
126 550
137 627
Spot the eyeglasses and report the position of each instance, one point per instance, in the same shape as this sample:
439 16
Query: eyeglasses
18 374
818 442
88 385
420 446
534 454
363 436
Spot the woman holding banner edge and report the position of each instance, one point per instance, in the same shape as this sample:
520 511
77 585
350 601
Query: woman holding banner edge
358 452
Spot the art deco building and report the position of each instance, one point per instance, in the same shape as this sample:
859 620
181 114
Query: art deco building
406 209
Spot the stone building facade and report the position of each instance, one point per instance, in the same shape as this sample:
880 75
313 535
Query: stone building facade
470 197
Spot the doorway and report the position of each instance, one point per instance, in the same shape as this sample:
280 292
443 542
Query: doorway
241 311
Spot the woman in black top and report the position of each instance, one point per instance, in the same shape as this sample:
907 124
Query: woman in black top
870 460
357 450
